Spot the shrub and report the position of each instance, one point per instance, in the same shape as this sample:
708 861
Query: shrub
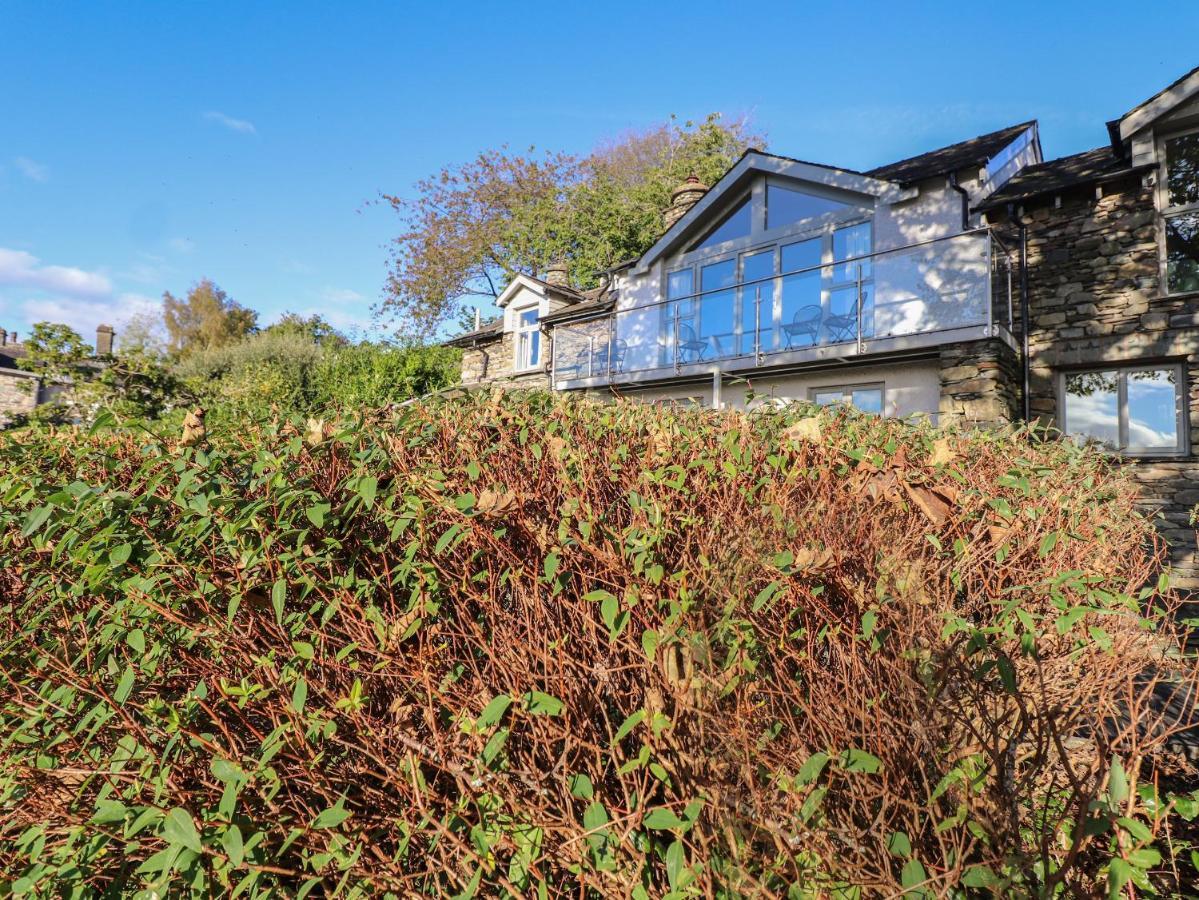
509 646
287 370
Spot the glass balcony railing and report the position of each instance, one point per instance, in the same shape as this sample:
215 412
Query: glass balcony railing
927 288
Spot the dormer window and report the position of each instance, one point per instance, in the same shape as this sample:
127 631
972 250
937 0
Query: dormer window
1180 212
528 339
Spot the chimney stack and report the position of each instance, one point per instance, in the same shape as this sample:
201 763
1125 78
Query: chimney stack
557 274
104 337
685 196
3 337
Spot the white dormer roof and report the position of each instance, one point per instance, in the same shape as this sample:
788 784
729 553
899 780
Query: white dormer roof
756 162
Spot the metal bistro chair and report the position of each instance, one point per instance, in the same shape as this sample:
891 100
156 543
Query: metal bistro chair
842 328
619 349
689 343
805 322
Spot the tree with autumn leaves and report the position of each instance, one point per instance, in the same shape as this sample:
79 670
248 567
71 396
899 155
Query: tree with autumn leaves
471 228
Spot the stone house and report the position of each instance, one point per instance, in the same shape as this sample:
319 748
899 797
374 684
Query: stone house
22 391
975 283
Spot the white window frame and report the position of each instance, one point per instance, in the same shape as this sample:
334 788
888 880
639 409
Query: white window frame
1181 406
846 391
1165 211
520 332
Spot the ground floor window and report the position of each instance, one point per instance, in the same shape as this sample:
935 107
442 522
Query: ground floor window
1133 409
528 339
866 397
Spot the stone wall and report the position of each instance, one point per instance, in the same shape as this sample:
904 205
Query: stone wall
491 363
980 383
16 396
1095 298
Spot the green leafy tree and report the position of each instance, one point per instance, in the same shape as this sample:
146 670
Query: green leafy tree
470 229
205 318
130 383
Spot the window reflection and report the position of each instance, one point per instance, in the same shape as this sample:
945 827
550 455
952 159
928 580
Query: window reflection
734 225
1182 252
785 206
1093 407
757 298
1152 410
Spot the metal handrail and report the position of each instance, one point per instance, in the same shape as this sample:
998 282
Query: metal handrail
806 269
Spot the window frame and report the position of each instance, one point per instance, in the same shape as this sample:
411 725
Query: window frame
847 391
1182 417
1165 211
520 332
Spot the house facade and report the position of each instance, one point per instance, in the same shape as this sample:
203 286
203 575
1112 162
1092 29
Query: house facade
21 391
976 283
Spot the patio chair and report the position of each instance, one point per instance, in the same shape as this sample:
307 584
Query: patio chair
690 344
842 328
805 322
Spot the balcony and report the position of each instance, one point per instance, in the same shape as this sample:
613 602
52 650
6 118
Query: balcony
917 296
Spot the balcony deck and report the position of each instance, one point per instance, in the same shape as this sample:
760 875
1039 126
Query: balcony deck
920 296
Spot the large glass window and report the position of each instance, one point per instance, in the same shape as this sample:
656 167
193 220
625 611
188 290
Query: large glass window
736 224
802 313
1180 211
850 245
1133 410
717 319
785 206
528 339
756 299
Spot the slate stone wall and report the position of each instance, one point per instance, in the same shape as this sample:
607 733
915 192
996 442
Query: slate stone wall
491 363
1095 299
980 383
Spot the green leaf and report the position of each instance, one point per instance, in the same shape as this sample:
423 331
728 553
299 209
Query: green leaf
598 596
912 874
231 843
226 771
1048 543
118 556
136 639
179 828
663 819
811 769
551 566
36 519
316 514
299 695
125 685
1118 874
494 711
109 811
628 725
1118 783
331 817
541 704
676 862
855 760
278 598
979 877
303 649
899 845
765 595
368 488
580 786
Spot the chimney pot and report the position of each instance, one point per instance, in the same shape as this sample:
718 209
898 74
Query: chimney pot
557 274
685 196
104 338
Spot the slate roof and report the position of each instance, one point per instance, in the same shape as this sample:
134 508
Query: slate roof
9 354
1088 167
486 331
974 152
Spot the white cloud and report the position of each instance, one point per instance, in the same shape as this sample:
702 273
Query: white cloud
34 171
84 315
24 270
243 126
341 295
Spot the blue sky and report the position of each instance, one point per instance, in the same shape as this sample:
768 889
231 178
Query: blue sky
146 145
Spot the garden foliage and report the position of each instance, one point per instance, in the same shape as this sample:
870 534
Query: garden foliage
503 646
